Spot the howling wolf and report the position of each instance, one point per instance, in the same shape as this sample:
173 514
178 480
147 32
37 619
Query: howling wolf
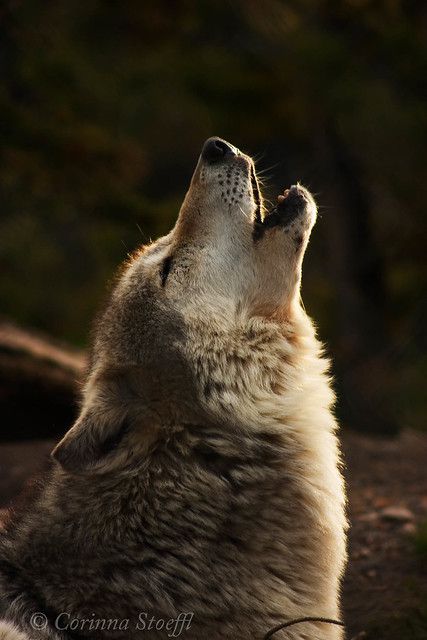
202 476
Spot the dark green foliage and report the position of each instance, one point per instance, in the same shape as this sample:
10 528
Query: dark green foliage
103 110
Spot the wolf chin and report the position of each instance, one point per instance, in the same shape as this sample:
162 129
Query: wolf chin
203 472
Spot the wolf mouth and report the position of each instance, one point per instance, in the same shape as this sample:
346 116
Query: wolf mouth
290 205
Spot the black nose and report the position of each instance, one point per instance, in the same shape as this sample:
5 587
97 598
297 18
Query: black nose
215 150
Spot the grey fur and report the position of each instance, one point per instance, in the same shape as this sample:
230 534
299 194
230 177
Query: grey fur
202 474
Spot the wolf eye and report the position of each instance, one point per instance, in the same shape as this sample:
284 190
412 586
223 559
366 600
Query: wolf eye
165 269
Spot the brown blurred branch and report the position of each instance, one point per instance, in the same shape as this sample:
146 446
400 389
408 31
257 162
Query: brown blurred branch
38 384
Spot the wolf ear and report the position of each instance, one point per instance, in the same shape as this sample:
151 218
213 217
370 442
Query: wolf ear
91 442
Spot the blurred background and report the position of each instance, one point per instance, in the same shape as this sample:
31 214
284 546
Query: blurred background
103 110
104 107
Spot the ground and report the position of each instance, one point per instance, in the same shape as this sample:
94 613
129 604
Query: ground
385 588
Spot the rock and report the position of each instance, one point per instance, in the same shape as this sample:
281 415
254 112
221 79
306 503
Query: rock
369 516
396 513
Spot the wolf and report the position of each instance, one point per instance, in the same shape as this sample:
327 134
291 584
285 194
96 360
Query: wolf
203 474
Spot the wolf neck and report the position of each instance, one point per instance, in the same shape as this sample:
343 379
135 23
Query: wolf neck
271 378
255 371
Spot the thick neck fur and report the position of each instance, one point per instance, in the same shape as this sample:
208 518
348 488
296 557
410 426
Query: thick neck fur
243 507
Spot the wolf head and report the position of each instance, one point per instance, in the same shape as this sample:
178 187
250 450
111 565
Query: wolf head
181 300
